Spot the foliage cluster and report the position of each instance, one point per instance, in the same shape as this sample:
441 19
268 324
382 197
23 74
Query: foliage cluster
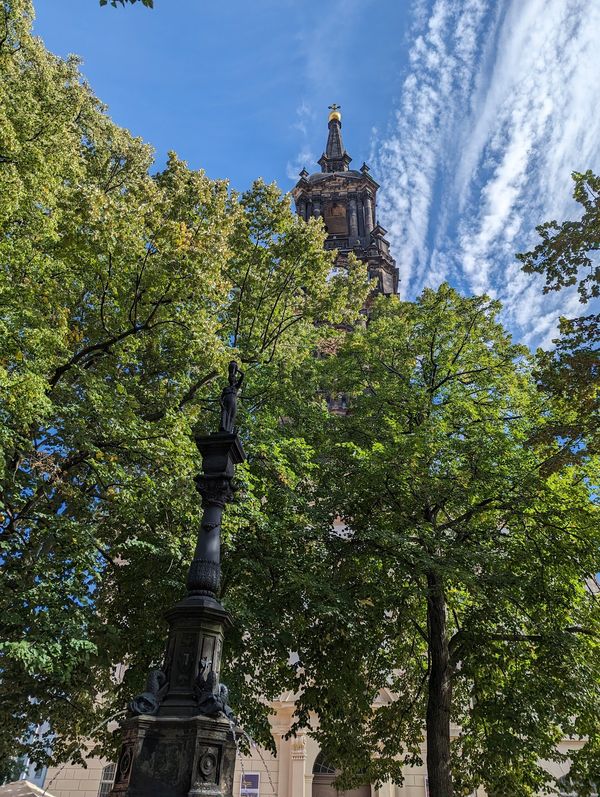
113 3
566 255
455 576
437 544
123 297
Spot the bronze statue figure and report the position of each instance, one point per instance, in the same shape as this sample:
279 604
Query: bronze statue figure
229 397
149 701
212 698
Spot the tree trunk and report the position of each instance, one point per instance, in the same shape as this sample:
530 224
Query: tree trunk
439 697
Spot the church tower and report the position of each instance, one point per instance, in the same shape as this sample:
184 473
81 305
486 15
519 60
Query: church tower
346 200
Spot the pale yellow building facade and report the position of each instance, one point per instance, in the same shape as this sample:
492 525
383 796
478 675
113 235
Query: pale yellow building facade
298 769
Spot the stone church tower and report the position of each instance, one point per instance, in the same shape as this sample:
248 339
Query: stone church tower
346 200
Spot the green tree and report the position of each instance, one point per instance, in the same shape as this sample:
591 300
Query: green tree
460 582
567 255
123 297
113 3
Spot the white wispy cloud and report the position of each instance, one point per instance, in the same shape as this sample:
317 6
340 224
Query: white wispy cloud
304 116
303 158
497 109
440 79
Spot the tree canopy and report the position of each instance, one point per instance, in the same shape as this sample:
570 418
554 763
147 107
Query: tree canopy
459 581
438 541
568 255
123 297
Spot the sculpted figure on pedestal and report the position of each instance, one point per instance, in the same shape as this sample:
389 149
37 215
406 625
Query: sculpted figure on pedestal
228 399
149 700
211 696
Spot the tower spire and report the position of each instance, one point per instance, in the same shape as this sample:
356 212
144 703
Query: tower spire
346 200
335 158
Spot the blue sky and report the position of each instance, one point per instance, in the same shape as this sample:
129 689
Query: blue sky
471 113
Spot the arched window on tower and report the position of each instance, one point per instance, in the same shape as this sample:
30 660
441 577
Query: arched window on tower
335 219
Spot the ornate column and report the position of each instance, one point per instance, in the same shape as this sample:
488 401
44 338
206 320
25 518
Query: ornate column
178 740
368 213
353 219
302 209
297 788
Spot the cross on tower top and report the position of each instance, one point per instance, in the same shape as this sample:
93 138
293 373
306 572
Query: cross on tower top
335 114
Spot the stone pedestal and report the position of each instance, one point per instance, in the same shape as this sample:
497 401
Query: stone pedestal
175 757
197 627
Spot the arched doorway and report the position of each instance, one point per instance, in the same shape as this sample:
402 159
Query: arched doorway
324 773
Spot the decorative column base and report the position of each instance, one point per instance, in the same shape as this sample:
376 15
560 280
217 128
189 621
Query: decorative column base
172 749
175 757
196 629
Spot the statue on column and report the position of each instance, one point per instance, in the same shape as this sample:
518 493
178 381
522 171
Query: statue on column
229 398
180 736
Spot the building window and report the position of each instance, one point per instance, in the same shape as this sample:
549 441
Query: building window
567 790
250 784
323 767
335 219
107 778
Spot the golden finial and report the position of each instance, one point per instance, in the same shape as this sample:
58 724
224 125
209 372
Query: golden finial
335 112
